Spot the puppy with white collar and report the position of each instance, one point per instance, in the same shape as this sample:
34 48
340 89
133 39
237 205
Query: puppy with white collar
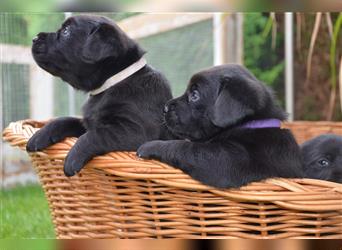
127 96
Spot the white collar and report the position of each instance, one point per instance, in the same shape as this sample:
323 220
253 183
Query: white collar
125 73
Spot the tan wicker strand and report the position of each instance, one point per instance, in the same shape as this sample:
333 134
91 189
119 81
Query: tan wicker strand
118 195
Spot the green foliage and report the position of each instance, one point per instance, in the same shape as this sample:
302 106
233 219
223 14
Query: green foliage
25 214
267 65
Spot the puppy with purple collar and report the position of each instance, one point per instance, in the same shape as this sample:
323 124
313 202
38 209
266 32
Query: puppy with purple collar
126 95
230 125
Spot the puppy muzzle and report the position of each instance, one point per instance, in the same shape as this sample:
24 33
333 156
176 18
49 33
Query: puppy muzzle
39 45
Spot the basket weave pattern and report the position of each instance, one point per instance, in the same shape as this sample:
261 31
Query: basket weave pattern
120 196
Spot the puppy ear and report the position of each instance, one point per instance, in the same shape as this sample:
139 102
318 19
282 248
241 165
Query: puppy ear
227 110
102 42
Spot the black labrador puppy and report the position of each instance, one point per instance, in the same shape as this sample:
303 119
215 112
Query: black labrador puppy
231 128
125 106
322 158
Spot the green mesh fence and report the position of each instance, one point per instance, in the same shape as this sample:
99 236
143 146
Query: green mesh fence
181 52
15 92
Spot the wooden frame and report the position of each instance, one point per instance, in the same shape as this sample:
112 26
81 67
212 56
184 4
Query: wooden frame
149 24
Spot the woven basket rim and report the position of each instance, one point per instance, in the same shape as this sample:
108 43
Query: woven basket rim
289 193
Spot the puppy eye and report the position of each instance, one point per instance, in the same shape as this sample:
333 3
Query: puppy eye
324 162
66 31
194 96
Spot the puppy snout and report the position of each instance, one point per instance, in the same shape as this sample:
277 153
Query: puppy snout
39 43
169 107
166 109
40 36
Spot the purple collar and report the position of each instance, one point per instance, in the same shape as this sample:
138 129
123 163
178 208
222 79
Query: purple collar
266 123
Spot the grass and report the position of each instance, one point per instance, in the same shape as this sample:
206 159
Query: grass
37 244
25 214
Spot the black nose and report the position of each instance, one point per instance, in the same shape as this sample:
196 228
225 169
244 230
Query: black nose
169 107
166 109
40 36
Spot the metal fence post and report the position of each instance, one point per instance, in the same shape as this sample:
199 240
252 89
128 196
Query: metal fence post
289 95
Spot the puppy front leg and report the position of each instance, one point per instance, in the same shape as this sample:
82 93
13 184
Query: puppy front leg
165 151
207 163
86 147
98 142
55 131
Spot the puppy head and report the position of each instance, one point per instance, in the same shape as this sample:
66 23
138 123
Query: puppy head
322 157
85 51
219 98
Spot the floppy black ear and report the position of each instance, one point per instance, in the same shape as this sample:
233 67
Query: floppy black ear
227 110
101 43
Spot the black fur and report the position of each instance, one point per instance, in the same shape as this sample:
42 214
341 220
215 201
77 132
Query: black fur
217 151
85 52
322 158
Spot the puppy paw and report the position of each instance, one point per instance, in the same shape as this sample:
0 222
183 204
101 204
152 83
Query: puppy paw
149 150
72 164
39 141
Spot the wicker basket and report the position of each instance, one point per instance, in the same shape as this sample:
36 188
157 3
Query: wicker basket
120 196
